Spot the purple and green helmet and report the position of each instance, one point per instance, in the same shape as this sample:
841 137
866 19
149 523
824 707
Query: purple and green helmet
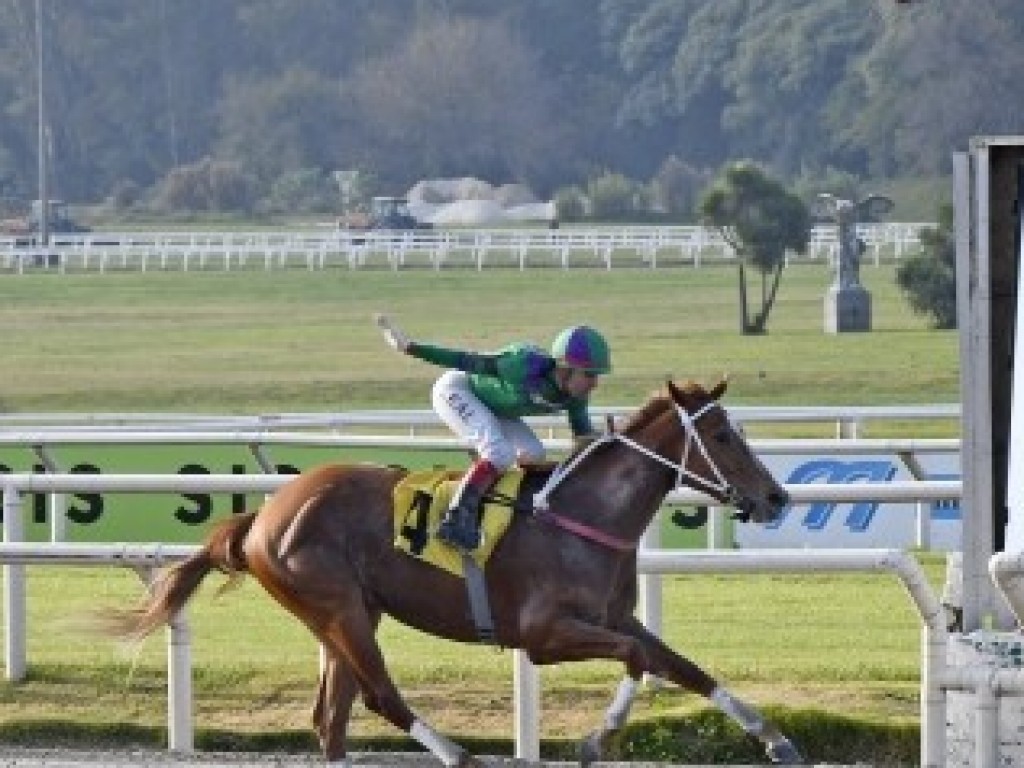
580 346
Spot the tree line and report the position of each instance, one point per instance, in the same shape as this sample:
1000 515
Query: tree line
259 104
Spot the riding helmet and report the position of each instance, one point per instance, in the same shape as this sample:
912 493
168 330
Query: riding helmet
580 346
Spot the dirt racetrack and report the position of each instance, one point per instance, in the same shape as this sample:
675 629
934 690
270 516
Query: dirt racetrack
58 758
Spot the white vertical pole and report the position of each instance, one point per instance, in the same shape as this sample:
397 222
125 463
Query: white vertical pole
650 589
986 725
933 698
650 583
718 529
58 517
972 225
14 590
527 706
1014 541
179 685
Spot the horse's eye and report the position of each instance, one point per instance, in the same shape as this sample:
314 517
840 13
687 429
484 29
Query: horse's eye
722 436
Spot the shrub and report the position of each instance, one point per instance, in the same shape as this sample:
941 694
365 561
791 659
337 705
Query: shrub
208 185
571 204
614 197
928 278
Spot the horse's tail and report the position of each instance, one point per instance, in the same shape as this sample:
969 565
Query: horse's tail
174 585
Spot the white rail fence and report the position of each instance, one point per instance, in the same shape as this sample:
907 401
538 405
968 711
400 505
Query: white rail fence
847 419
260 434
17 553
323 247
908 451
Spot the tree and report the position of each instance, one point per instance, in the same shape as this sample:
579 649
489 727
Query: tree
761 220
459 97
928 279
284 123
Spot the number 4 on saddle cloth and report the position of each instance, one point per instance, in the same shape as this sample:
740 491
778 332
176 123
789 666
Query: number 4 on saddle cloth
421 499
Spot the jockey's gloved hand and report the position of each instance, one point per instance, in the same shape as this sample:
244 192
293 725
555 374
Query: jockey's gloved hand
393 335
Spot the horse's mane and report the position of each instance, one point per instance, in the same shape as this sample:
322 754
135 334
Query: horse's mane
657 404
648 412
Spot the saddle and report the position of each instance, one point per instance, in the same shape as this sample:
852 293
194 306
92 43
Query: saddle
421 498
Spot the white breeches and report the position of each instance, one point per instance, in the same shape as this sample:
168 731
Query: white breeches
502 442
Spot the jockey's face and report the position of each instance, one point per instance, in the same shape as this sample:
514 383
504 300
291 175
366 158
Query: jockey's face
575 381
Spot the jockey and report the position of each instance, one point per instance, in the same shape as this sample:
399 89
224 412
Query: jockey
483 398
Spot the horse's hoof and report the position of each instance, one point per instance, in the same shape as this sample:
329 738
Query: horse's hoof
594 746
782 752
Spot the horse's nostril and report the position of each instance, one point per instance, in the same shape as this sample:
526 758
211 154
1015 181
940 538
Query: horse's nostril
779 498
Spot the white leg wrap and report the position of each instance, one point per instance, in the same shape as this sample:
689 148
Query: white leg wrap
747 718
617 713
444 749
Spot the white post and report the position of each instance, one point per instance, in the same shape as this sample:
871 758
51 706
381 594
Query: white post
527 707
718 529
58 517
649 586
933 698
14 590
650 583
179 685
986 726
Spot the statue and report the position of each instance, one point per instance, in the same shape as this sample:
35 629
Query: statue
848 304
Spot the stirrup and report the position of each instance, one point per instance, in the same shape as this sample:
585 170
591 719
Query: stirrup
457 529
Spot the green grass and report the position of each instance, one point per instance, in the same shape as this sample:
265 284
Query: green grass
835 658
845 646
264 341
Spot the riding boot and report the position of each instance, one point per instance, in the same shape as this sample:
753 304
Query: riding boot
460 526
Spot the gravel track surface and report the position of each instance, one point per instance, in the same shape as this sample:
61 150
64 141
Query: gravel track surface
59 758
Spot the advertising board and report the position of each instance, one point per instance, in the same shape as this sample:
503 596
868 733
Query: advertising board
859 524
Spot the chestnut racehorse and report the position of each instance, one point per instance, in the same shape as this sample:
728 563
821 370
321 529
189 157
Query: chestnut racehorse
561 584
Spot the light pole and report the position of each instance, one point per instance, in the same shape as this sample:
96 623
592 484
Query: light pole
44 195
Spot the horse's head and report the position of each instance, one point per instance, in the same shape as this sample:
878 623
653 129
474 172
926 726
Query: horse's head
715 457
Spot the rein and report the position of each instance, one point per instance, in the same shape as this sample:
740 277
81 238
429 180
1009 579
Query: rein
688 421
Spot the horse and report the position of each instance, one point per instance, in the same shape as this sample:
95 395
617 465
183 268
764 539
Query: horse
561 585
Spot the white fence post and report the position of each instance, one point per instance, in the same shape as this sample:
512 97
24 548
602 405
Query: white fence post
14 589
179 685
526 681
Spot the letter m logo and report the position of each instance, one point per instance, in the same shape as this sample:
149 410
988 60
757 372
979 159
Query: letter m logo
833 471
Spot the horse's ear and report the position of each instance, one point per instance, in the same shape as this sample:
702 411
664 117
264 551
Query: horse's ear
673 391
719 389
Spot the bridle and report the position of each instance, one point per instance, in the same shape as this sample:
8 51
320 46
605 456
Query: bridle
718 486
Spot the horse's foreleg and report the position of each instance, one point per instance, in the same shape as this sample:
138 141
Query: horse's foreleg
670 665
777 746
596 743
570 639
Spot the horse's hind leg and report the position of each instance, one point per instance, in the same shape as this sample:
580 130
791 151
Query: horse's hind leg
352 634
337 691
333 709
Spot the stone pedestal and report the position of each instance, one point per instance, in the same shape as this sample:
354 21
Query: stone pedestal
847 308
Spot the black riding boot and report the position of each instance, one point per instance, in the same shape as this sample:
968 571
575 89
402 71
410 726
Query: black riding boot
460 526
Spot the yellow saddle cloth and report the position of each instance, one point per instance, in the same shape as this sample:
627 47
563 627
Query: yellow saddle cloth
421 498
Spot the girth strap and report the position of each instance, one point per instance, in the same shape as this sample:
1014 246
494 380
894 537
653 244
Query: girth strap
479 605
